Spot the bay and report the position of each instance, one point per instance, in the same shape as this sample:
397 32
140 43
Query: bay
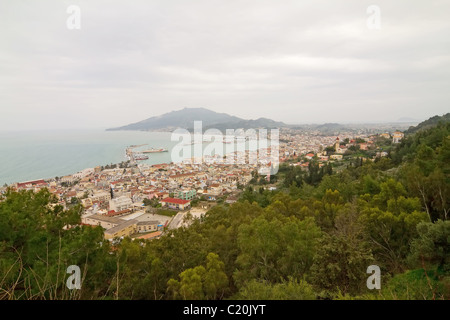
32 155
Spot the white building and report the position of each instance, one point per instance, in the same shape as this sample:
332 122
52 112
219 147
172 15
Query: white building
100 196
120 204
397 136
83 173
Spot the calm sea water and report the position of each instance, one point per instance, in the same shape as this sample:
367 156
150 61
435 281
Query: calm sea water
35 155
46 154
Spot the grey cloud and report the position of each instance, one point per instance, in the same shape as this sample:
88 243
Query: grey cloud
293 61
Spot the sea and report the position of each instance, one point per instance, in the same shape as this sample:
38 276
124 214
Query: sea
32 155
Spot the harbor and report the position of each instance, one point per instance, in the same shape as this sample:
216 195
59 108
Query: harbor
135 156
153 150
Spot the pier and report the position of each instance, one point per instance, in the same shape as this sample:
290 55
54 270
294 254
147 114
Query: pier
130 154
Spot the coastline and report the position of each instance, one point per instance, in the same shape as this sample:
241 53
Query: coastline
49 154
29 155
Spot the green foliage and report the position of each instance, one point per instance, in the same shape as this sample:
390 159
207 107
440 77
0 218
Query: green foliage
382 141
417 285
313 237
273 248
430 123
290 289
200 282
260 196
432 246
370 185
39 240
343 256
166 212
154 202
293 175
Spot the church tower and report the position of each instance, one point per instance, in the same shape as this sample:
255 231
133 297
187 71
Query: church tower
337 146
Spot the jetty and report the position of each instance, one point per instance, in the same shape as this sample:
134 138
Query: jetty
153 150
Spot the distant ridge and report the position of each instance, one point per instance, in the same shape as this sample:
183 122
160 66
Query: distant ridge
185 118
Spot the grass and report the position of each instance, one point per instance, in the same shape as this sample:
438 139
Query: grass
166 212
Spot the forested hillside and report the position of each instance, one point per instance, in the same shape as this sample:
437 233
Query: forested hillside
312 238
430 123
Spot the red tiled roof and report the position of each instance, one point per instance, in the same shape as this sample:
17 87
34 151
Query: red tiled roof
112 213
176 201
36 182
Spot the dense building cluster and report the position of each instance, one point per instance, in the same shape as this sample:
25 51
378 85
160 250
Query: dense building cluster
118 198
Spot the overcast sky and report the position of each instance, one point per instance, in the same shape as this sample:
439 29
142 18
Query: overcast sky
293 61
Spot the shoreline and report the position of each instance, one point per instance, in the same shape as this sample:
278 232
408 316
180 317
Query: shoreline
205 158
25 156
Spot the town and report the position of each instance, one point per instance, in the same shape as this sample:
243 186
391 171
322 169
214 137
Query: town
143 201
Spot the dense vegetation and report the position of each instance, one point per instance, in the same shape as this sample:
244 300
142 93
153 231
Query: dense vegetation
312 238
430 123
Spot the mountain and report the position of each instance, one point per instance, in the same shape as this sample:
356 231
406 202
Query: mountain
248 124
326 127
185 119
432 122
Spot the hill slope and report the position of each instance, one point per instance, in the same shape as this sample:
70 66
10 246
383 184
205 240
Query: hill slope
427 124
185 119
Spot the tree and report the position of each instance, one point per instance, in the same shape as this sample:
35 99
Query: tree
432 190
215 280
359 140
190 285
325 211
290 289
389 190
342 257
39 240
330 149
390 220
275 247
370 185
416 285
74 201
293 176
431 249
314 175
200 282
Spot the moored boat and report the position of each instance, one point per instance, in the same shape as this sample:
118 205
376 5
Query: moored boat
153 150
139 156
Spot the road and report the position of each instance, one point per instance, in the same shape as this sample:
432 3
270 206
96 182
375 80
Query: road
176 221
